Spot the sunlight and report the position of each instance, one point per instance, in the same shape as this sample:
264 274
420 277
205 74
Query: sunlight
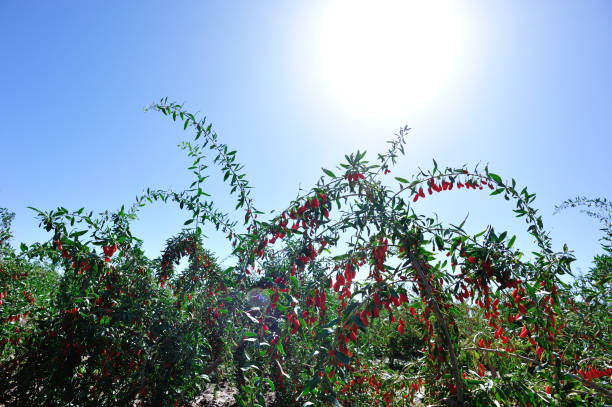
387 58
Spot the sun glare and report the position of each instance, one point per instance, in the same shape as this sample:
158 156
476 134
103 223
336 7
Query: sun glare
389 58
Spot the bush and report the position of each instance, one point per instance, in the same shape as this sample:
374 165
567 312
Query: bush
471 320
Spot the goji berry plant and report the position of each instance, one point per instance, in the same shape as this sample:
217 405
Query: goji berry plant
348 296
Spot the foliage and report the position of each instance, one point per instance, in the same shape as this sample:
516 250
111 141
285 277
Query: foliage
108 333
6 218
348 296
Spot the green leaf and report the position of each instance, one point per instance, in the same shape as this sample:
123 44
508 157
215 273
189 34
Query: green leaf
402 180
187 222
495 178
333 323
79 233
511 242
329 173
343 358
439 242
497 191
311 384
324 333
350 309
357 320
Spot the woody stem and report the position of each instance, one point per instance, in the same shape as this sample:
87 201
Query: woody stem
440 317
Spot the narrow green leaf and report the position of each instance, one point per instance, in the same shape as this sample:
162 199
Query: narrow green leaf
328 172
324 333
439 242
495 178
343 358
511 242
357 320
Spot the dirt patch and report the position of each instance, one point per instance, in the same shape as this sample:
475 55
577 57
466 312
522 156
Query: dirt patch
222 395
216 395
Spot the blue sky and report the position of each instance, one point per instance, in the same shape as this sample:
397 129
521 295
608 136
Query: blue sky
293 86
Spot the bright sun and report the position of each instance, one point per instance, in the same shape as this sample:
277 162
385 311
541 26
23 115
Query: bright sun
389 58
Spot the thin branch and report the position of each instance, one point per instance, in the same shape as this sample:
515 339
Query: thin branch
588 383
440 317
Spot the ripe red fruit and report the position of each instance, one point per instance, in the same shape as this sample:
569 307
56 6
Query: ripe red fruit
498 333
296 326
364 318
109 251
